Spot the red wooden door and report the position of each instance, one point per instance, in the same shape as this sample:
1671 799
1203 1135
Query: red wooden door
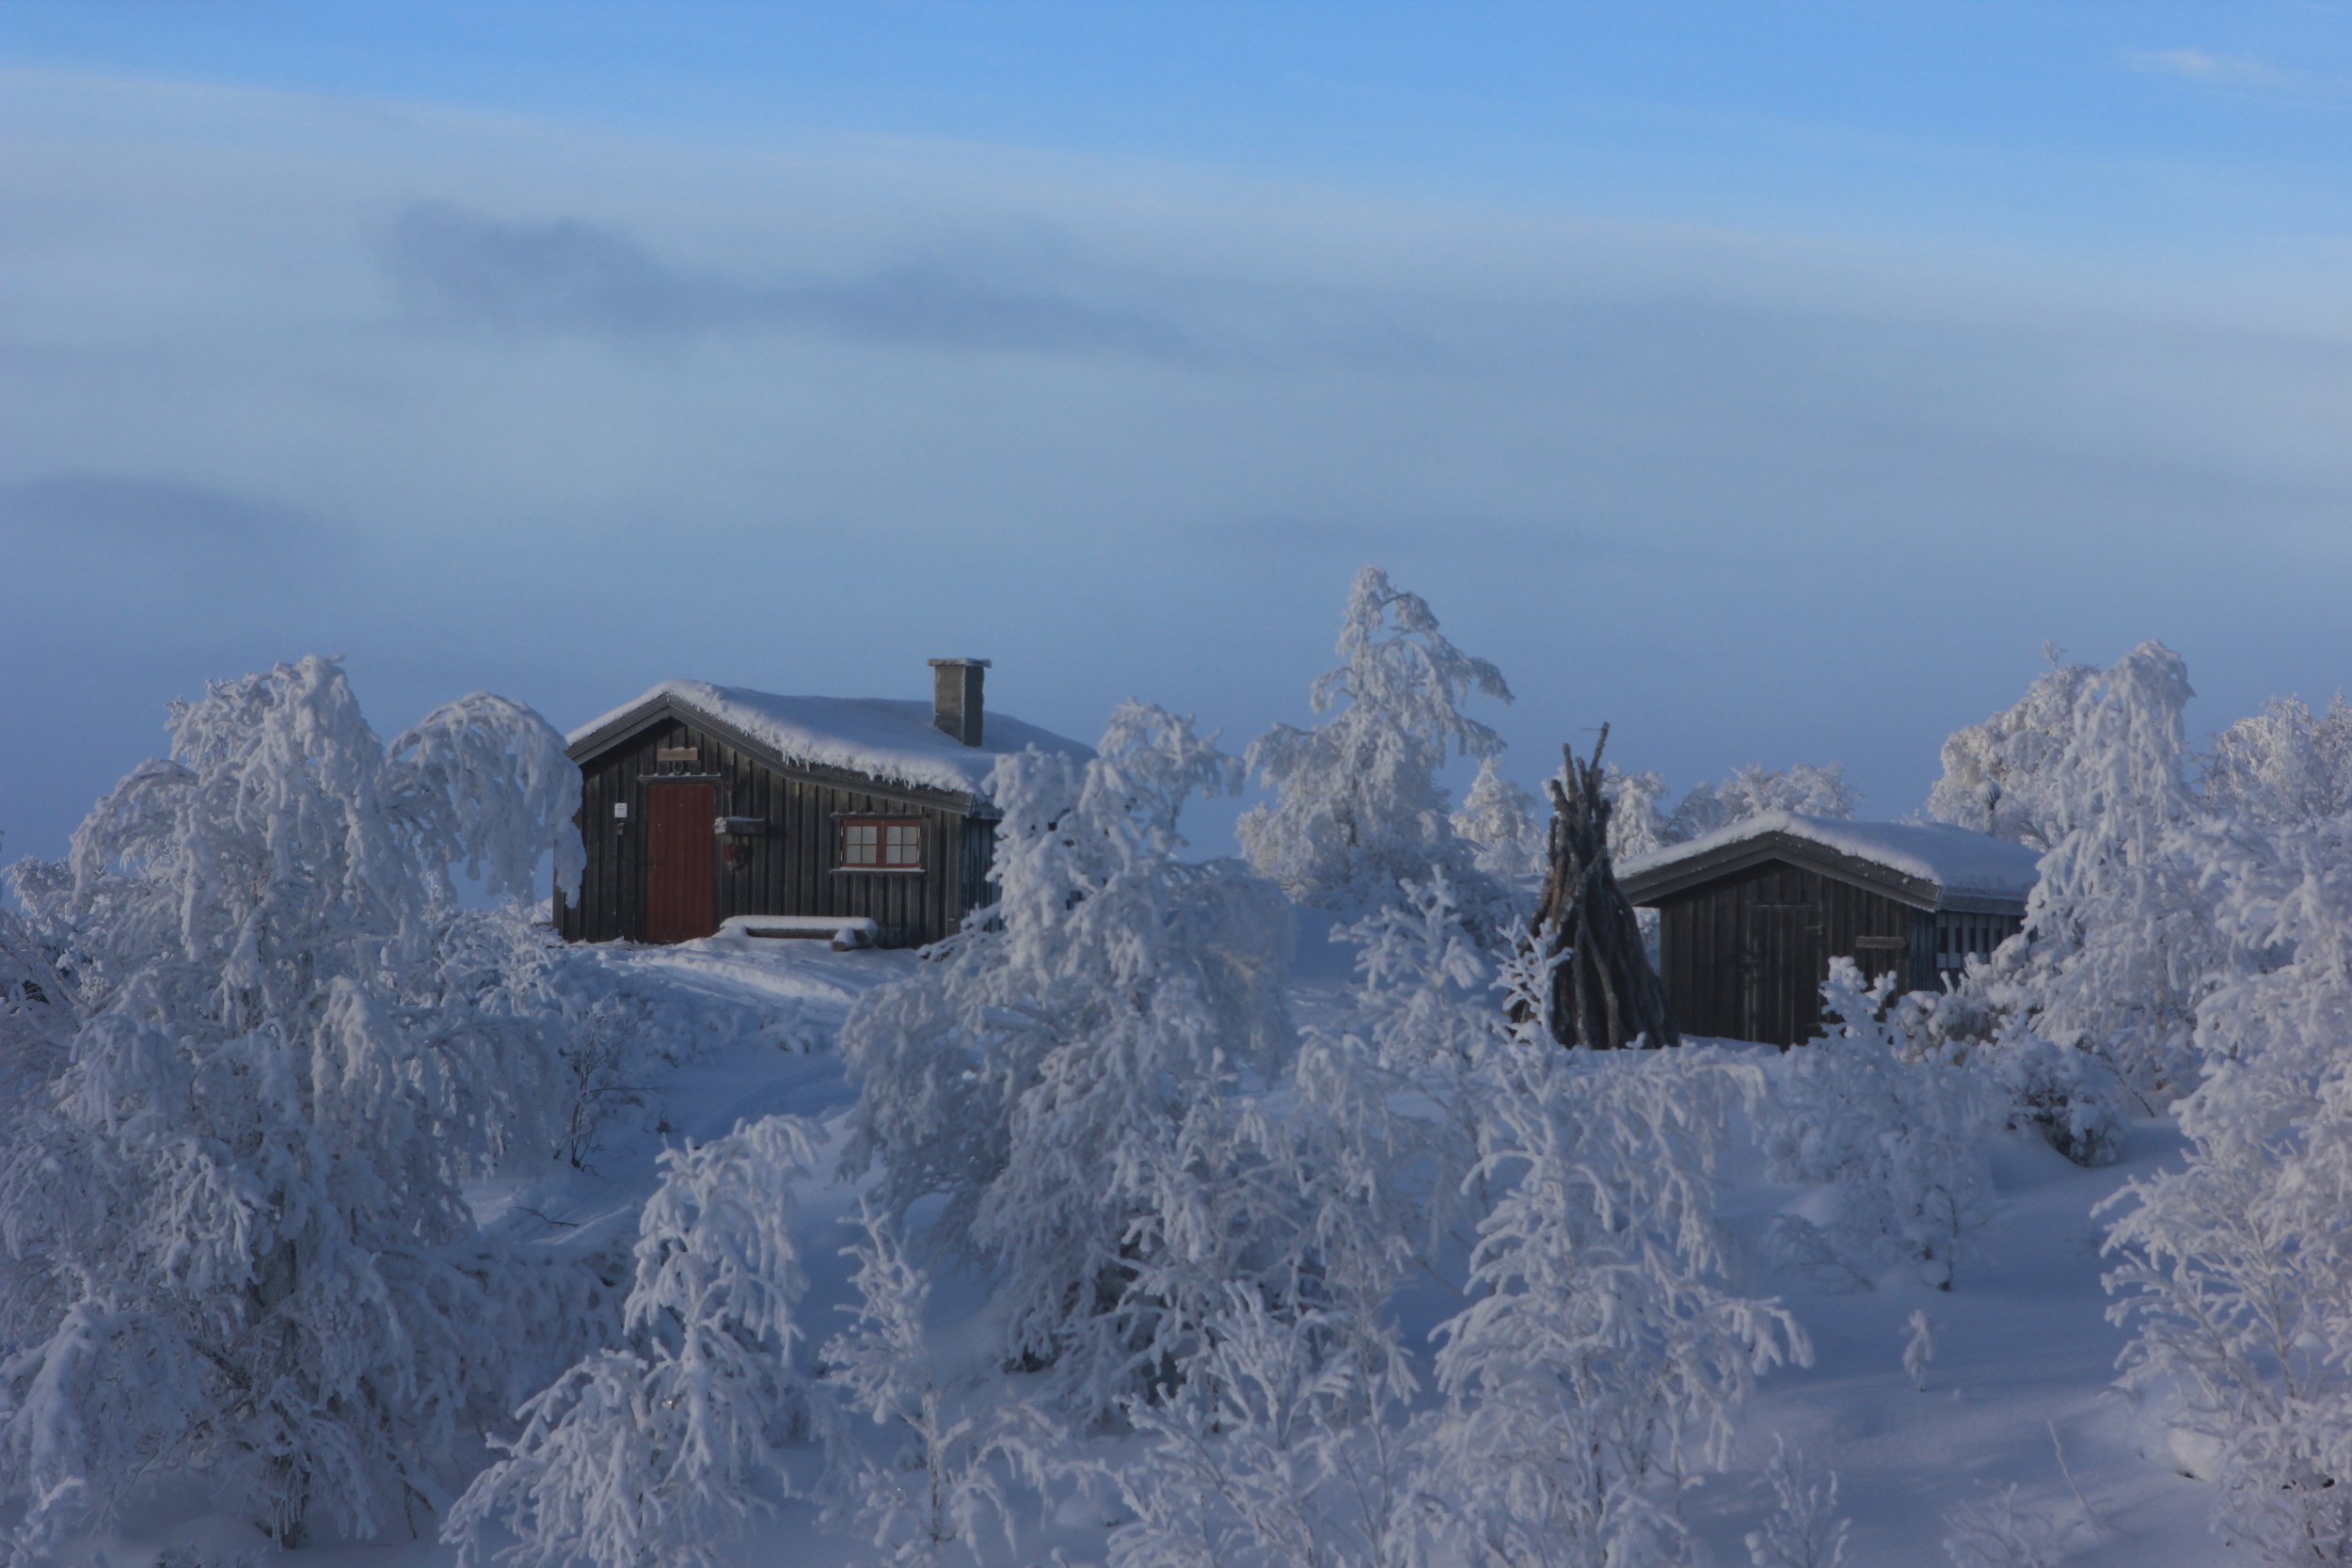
681 861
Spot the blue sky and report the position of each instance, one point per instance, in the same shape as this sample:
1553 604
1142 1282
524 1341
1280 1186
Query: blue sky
1768 380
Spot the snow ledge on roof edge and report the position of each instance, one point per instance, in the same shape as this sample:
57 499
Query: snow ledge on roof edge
1959 861
887 738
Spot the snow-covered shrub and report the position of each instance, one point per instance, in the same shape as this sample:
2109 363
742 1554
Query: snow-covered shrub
234 1241
2002 776
2001 1531
2071 1099
2236 1267
601 1077
957 1451
1064 1073
661 1449
1804 1529
1894 1137
1502 823
1919 1349
1599 1363
2120 941
1288 1446
1356 806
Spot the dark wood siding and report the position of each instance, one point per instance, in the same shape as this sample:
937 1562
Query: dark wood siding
786 861
1744 956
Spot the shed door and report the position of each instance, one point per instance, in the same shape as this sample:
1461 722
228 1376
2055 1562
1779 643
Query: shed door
1783 961
681 861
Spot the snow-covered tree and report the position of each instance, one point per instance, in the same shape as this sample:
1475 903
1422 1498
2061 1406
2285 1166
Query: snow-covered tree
2001 777
2119 943
1599 1364
1290 1447
1638 821
2236 1267
957 1451
1805 789
2283 768
1385 1128
1897 1139
1064 1073
234 1239
1502 823
661 1449
1357 807
1750 791
39 1015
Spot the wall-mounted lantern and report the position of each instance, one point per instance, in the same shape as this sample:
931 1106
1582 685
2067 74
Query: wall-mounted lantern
735 835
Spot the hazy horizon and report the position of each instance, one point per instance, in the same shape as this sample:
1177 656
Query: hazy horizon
1772 391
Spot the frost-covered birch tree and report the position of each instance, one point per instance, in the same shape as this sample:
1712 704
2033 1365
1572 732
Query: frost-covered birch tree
1807 789
957 1449
2119 943
2285 769
1638 819
661 1449
234 1241
2236 1268
1602 1358
1065 1074
2002 776
1502 824
1292 1448
1356 806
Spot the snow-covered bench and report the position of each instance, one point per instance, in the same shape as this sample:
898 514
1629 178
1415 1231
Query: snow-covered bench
845 931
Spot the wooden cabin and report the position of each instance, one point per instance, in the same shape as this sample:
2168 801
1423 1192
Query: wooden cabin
702 802
1750 916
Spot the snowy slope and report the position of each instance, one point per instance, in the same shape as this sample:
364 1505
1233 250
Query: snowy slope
2020 1374
2022 1370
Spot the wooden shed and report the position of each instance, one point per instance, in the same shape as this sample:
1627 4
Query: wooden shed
1749 917
701 802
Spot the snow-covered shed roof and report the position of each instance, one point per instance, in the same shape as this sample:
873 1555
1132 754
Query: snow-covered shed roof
1928 863
886 738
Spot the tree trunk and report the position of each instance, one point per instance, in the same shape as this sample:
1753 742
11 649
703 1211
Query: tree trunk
1604 994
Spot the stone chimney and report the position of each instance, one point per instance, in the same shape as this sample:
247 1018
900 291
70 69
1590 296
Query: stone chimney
956 697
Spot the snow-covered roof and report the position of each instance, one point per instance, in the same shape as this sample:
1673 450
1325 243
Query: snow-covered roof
887 738
1956 863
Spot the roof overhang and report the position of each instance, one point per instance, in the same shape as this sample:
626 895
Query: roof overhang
1686 872
666 706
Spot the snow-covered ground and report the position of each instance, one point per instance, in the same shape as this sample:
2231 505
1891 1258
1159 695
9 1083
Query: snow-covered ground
2017 1390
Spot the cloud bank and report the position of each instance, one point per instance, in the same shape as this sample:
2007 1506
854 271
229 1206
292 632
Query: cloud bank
506 403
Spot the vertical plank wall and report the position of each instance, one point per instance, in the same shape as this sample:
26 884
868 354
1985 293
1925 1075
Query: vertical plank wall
1745 957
